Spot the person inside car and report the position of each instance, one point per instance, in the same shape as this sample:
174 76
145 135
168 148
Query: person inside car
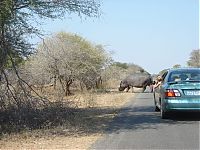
183 77
195 76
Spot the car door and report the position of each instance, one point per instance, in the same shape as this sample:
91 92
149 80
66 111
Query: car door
157 91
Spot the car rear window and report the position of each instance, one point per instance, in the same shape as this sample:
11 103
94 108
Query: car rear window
180 75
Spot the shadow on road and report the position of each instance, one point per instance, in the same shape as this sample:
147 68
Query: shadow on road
145 118
185 116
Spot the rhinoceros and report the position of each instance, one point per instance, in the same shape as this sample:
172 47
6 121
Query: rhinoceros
138 80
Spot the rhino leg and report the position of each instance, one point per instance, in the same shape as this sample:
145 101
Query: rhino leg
132 89
144 88
128 87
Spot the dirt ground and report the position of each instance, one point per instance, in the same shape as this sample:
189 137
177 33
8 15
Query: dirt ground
101 109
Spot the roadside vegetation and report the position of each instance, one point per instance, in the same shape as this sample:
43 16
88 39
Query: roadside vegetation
54 85
64 74
68 84
74 123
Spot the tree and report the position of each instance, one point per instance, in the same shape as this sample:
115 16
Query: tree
16 27
69 57
16 19
194 60
177 66
132 68
121 65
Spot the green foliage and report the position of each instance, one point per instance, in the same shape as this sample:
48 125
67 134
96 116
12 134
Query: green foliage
17 61
68 58
121 65
135 68
177 66
16 19
5 11
18 24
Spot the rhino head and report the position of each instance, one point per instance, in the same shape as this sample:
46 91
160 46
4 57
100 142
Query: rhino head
123 86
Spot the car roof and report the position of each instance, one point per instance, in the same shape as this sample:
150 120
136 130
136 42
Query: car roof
183 69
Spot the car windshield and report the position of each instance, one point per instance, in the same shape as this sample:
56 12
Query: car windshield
184 75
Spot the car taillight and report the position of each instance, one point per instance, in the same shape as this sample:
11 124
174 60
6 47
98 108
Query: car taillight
172 93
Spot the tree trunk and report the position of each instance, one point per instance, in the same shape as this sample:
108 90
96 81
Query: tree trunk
67 86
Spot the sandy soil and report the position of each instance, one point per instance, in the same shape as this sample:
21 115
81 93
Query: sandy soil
108 105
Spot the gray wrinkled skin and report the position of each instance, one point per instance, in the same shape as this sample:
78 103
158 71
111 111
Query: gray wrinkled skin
138 80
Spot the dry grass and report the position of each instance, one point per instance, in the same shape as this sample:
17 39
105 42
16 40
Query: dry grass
95 111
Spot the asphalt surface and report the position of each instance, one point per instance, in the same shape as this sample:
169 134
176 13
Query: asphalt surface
138 127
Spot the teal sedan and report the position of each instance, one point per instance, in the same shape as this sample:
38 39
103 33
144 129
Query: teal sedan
178 91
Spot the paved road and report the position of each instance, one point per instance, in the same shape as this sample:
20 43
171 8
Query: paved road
139 127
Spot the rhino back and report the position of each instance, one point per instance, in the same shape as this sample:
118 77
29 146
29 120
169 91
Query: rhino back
137 80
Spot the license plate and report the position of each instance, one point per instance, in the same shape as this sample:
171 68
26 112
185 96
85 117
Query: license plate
192 92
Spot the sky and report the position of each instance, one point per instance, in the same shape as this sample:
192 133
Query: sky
154 34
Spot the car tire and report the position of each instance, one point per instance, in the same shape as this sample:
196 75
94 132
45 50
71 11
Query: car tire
163 113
